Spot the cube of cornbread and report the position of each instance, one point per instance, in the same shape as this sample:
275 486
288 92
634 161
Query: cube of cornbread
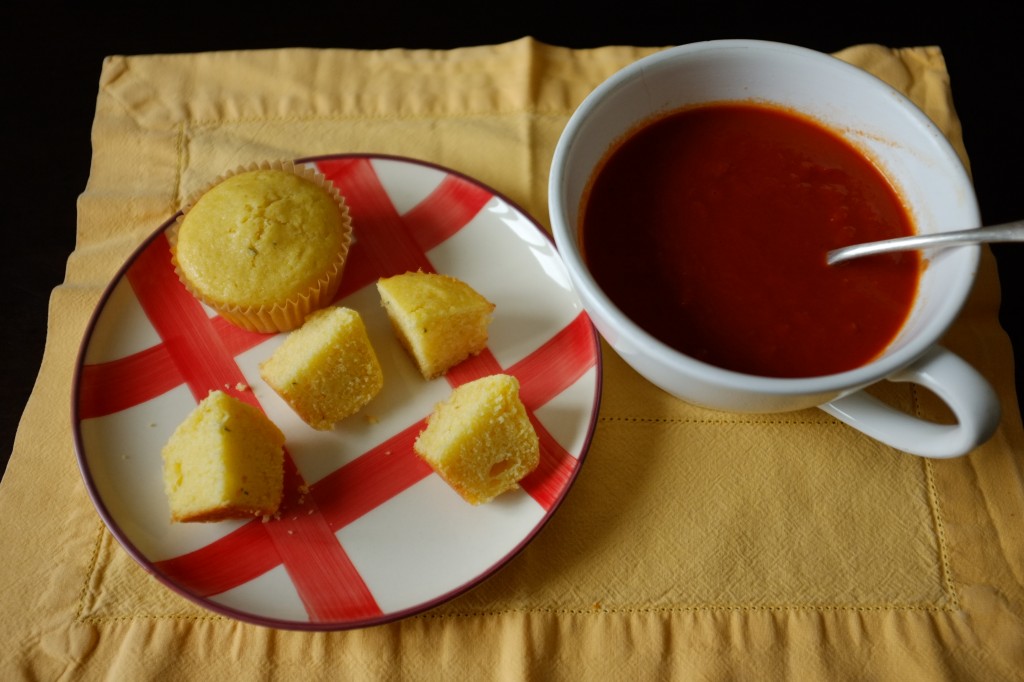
326 369
480 440
225 460
440 320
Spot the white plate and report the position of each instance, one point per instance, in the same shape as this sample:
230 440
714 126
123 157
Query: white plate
368 533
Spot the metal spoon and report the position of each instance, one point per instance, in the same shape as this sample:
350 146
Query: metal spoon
1007 232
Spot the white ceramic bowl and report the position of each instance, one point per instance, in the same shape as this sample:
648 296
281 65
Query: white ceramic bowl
879 121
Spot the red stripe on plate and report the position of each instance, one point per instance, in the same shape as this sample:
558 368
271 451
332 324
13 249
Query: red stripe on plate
383 244
543 374
552 474
108 387
557 364
327 582
445 211
234 559
324 576
195 348
472 368
236 340
370 480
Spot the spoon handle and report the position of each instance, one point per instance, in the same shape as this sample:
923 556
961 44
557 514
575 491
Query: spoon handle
1007 232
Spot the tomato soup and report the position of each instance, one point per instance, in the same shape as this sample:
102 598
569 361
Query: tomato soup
708 227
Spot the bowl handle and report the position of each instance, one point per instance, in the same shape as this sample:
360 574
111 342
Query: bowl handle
963 389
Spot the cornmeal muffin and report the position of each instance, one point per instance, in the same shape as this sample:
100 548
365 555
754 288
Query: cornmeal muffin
264 247
480 440
440 320
224 461
326 369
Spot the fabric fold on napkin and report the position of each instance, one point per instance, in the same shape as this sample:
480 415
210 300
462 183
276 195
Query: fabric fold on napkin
693 543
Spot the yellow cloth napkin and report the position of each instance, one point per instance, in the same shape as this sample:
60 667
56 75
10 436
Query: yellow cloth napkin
694 544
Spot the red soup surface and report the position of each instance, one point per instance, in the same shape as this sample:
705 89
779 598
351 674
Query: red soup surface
708 227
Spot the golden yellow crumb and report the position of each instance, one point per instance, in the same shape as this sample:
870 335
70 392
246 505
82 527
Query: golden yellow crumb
440 320
225 460
480 440
326 369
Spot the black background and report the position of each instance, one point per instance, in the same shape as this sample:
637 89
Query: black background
54 53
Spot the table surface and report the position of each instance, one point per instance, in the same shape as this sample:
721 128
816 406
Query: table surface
55 55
